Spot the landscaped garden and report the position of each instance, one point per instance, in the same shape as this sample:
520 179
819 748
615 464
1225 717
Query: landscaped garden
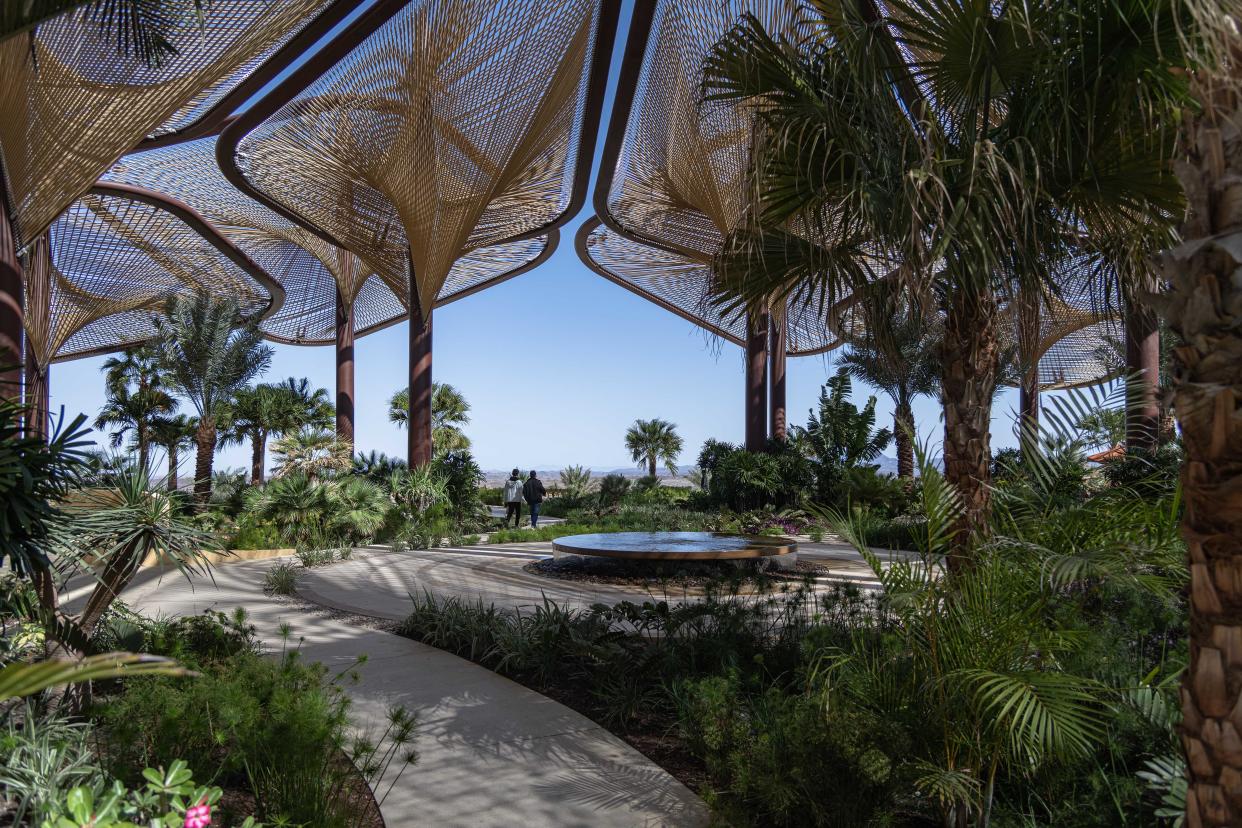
1032 620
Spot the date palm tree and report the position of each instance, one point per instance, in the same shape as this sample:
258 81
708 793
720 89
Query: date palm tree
901 363
135 399
141 28
173 434
652 441
969 144
449 412
1202 307
208 352
273 410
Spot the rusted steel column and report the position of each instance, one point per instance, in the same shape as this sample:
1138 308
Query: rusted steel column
1143 370
344 368
1028 344
10 309
757 382
420 388
776 361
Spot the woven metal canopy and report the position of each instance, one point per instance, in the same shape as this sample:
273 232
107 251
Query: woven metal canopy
72 105
114 258
310 270
681 284
430 129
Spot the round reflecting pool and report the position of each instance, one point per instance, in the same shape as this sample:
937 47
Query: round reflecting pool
670 546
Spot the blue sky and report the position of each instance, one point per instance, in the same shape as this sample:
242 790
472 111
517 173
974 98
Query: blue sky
556 364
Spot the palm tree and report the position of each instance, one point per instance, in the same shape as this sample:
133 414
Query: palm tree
449 411
141 28
902 364
135 399
174 434
272 410
650 441
966 169
314 453
1201 308
208 352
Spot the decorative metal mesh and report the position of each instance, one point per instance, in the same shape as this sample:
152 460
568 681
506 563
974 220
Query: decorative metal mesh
72 104
453 126
681 284
110 262
307 267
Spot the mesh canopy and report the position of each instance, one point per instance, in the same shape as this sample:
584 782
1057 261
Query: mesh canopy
680 174
72 105
309 269
108 262
682 285
448 127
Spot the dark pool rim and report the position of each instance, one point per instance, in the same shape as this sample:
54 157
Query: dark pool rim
758 546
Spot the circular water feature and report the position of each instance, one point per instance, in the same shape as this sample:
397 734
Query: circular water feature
679 546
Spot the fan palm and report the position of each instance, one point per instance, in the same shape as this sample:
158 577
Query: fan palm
314 453
174 434
971 144
449 412
272 410
652 441
296 505
208 352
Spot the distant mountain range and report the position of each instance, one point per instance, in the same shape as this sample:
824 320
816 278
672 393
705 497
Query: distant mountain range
495 477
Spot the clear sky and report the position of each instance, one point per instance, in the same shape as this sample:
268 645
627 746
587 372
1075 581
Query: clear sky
556 364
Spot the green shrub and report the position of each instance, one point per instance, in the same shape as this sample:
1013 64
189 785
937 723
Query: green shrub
281 579
1153 474
256 535
42 758
612 488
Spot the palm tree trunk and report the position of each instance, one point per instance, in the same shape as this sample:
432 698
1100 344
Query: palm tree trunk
1204 307
205 442
903 431
258 448
173 463
140 434
969 355
1143 380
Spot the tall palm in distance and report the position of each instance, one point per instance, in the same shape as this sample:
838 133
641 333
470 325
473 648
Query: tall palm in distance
274 410
449 412
966 168
208 352
651 442
135 399
901 363
174 434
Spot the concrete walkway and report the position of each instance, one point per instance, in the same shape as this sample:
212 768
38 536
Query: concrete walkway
492 753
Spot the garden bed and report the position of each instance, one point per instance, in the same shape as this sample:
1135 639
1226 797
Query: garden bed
693 575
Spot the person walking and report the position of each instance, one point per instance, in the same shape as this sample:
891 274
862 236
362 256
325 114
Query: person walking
513 499
533 492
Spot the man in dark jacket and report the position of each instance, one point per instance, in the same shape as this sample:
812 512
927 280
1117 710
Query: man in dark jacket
533 491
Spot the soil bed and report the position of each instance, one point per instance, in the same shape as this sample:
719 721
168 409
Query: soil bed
679 574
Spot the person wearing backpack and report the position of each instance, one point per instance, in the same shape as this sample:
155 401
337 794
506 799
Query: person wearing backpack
513 499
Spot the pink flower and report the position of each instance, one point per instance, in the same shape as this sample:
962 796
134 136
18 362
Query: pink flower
198 816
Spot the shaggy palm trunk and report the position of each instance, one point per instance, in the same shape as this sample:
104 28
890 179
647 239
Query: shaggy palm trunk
903 435
173 462
969 360
116 575
1143 379
205 448
1204 307
258 448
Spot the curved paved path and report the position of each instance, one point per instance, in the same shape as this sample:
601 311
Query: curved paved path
491 752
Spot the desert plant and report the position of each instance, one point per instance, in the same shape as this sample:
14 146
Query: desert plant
651 442
839 436
207 352
311 452
281 579
612 489
296 505
576 483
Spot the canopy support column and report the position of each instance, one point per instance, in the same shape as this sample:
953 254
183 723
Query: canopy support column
776 362
344 368
1143 380
757 381
37 399
10 309
420 388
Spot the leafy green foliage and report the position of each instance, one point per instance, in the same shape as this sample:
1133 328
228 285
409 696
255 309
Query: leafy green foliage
839 436
449 412
651 442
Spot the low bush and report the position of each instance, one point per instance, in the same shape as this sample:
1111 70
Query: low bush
281 579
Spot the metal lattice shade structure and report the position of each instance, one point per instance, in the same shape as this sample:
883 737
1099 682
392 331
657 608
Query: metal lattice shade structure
310 270
113 259
682 285
439 129
72 104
